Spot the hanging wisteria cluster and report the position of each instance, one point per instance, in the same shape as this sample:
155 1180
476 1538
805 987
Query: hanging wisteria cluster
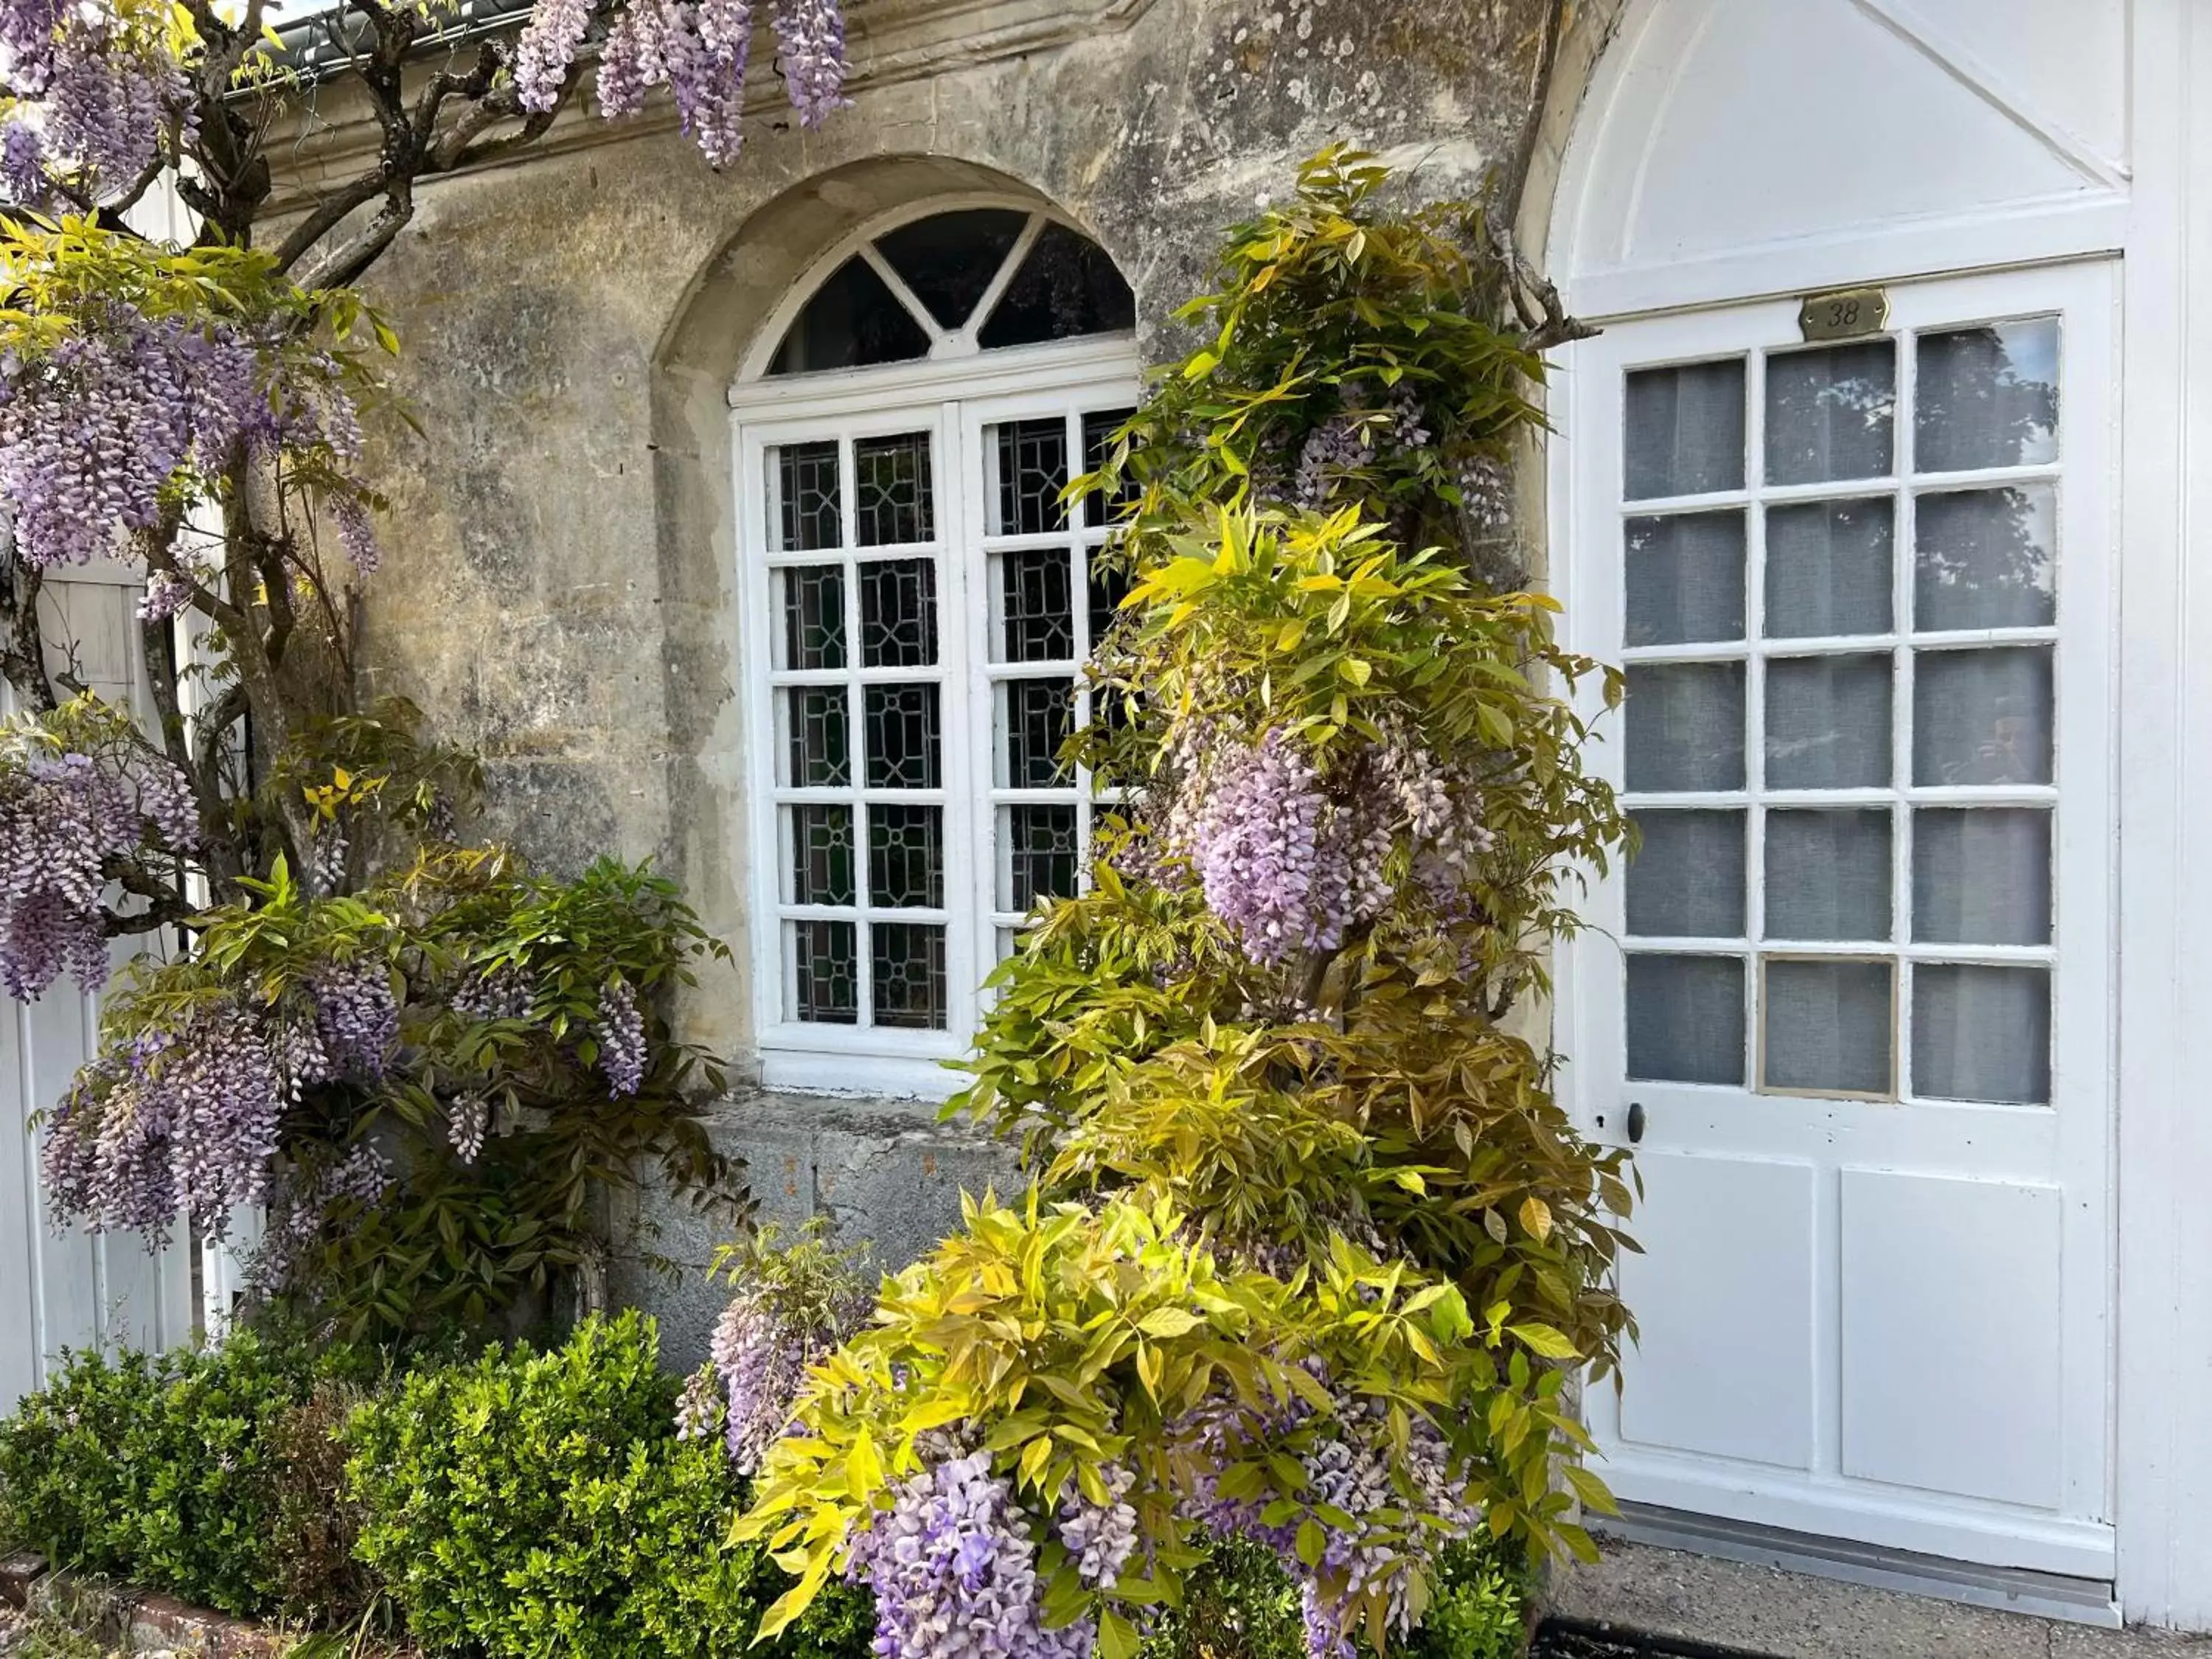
92 91
66 813
793 1308
698 50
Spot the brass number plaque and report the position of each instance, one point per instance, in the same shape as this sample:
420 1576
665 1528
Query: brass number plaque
1844 314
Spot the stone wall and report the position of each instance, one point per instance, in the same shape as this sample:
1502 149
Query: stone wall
560 593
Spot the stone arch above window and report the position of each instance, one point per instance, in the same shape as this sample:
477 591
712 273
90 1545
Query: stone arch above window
952 283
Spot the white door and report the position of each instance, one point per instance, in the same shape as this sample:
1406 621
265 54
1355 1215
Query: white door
1855 992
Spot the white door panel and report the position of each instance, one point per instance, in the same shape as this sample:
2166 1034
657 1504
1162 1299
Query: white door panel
1859 980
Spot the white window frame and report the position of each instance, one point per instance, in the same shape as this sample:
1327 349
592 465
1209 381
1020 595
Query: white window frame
954 393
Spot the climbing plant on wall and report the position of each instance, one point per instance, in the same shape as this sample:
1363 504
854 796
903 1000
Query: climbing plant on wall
1309 1251
423 1057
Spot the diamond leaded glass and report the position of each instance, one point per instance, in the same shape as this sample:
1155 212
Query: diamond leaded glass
904 745
898 613
806 477
906 856
891 489
1032 471
825 972
1039 611
907 972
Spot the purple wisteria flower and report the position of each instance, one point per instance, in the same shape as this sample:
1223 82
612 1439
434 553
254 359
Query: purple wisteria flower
622 1039
810 37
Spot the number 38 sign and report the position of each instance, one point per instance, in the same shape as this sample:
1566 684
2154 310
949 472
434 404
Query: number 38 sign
1844 315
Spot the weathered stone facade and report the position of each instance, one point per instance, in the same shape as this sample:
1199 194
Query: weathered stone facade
562 592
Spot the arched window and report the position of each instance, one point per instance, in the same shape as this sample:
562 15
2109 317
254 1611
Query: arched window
917 609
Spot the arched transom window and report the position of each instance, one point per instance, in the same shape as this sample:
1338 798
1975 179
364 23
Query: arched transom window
918 608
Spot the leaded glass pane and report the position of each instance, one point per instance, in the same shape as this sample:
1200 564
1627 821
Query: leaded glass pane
903 741
807 479
1685 578
1831 413
1827 722
1685 726
1829 569
1828 875
1038 605
906 856
1685 430
1032 470
1098 430
821 855
1040 842
891 489
1829 1026
1987 397
813 604
819 745
907 975
1686 1019
947 260
853 321
1981 1033
1686 881
1985 559
1982 716
825 977
1039 716
898 613
1109 586
1065 287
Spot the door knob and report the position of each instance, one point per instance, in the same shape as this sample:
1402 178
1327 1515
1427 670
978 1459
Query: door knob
1635 1121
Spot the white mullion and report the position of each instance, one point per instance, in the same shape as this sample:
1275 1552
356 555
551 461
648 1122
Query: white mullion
956 732
1755 714
856 713
903 295
1904 576
1078 607
969 337
1828 645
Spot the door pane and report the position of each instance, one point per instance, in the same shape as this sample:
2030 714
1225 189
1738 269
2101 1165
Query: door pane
1984 558
891 489
903 743
811 598
821 855
906 856
1686 1019
1829 569
807 491
1035 719
1987 397
1042 850
1684 430
1981 1033
898 613
1827 1026
1032 471
1827 722
1828 875
1685 578
1036 606
907 975
825 966
1685 727
1982 716
1981 876
1830 413
817 748
1686 879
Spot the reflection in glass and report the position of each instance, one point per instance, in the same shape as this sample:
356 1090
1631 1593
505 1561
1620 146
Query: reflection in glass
947 260
1982 717
1685 1019
825 972
1981 876
1983 558
1829 569
1828 1026
1827 722
898 613
813 604
1830 413
1829 874
1981 1033
1684 430
891 488
907 975
818 746
1686 879
903 737
853 321
1987 397
1685 574
821 855
806 480
1065 287
1684 725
